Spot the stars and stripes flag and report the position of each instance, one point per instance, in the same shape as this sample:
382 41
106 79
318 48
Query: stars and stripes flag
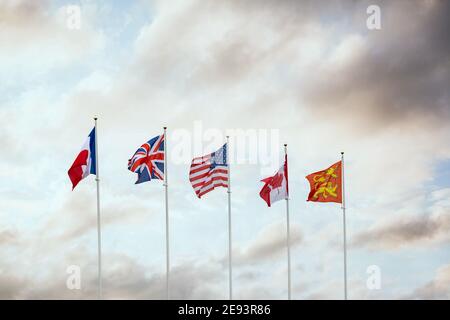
148 160
209 172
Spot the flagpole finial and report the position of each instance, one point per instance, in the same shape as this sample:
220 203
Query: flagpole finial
285 144
165 128
342 152
95 118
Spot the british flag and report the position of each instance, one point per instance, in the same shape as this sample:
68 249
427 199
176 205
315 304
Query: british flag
209 172
148 160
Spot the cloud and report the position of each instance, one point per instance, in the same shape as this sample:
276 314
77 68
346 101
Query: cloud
79 216
309 58
410 230
21 14
10 286
123 278
384 79
36 41
8 237
436 289
407 231
268 243
27 25
371 79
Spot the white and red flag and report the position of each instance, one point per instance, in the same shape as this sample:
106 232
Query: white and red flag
276 187
84 163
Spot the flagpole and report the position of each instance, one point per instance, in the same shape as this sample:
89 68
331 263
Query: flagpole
344 225
287 231
99 233
166 186
230 273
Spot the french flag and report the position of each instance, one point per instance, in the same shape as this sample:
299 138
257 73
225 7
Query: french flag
84 163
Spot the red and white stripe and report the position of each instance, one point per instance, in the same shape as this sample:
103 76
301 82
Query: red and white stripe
204 179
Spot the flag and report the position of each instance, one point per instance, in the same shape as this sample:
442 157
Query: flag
84 163
276 187
210 171
148 160
326 185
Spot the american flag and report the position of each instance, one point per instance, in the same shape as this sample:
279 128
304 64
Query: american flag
148 160
209 172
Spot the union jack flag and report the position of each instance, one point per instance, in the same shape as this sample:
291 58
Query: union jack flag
148 160
209 172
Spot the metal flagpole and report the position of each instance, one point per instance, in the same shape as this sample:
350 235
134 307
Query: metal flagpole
345 231
230 273
166 186
99 233
287 231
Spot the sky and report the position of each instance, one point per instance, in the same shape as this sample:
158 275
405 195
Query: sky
310 74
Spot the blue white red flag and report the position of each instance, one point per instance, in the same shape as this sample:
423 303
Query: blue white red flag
209 172
84 163
148 160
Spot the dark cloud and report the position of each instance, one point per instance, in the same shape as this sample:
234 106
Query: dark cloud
126 278
21 12
406 231
123 278
400 74
10 286
397 75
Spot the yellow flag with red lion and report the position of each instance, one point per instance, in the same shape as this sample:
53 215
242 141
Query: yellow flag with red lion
326 185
